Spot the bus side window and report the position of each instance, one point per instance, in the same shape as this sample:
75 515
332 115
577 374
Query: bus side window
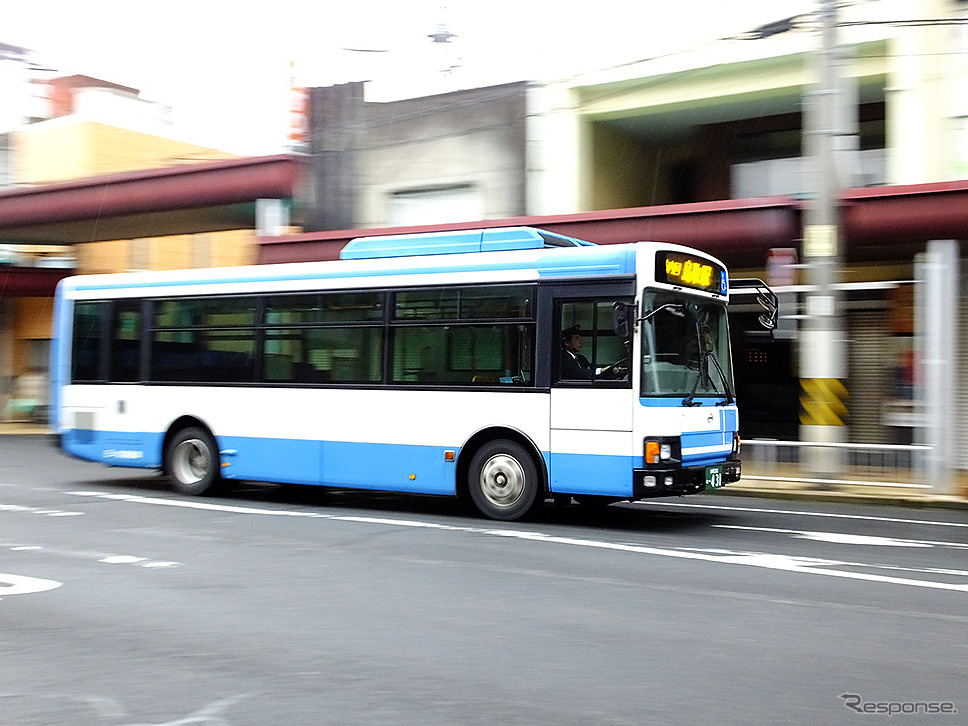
86 341
590 349
125 357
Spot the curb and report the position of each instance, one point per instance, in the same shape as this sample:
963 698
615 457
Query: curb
24 429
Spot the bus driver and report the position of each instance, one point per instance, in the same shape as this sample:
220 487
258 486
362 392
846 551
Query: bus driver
575 366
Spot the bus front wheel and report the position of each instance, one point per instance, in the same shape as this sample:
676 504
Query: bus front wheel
503 481
192 461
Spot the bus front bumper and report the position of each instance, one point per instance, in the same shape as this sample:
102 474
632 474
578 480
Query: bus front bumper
676 481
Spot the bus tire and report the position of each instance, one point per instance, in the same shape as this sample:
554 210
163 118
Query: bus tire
192 461
503 480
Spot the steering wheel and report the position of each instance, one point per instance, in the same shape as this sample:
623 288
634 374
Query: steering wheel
615 369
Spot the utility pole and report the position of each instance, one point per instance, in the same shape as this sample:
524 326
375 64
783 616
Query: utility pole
823 355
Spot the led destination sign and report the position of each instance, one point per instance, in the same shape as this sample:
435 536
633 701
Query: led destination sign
677 268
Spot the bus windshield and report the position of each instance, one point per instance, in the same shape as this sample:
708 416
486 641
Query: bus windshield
685 348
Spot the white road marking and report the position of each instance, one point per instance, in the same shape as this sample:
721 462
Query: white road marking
765 560
841 538
22 585
845 563
800 513
121 559
195 505
212 713
859 539
100 557
37 510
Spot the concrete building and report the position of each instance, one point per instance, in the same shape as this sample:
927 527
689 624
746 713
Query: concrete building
431 160
723 120
97 134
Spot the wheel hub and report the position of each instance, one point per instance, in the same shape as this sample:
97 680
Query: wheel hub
190 461
502 480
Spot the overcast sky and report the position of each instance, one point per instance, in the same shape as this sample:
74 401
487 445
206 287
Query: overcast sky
224 65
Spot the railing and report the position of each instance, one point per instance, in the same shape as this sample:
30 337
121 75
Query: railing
883 465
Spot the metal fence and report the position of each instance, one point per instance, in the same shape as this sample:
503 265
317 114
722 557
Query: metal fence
885 465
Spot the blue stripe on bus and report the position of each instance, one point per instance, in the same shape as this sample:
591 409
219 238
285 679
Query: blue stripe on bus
696 439
59 356
293 461
717 446
593 474
386 467
558 262
118 448
394 467
676 402
334 463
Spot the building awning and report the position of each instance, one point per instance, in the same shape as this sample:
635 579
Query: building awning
195 197
738 231
882 223
18 281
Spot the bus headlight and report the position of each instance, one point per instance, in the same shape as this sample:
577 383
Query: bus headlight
736 443
661 451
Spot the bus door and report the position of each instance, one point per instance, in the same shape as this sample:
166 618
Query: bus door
591 396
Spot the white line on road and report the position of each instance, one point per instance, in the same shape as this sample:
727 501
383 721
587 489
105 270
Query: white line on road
765 560
194 505
847 563
842 538
135 560
37 510
22 585
121 560
800 513
100 557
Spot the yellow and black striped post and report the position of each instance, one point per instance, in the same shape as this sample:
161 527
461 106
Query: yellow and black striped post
823 423
822 402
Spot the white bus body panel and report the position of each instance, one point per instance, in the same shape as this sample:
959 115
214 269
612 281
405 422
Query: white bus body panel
393 440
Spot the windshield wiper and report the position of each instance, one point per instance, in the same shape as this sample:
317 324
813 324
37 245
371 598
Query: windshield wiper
703 373
729 394
677 309
702 368
688 400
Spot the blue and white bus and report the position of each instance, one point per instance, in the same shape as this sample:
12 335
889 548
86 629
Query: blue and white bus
430 364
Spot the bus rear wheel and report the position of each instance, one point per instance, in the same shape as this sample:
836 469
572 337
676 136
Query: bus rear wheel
192 461
503 481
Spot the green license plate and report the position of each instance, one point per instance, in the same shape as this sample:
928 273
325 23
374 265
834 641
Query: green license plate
714 477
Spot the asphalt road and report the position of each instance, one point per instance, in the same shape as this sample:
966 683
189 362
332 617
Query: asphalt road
122 603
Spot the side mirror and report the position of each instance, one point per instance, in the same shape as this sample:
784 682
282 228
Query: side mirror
622 313
769 303
765 298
